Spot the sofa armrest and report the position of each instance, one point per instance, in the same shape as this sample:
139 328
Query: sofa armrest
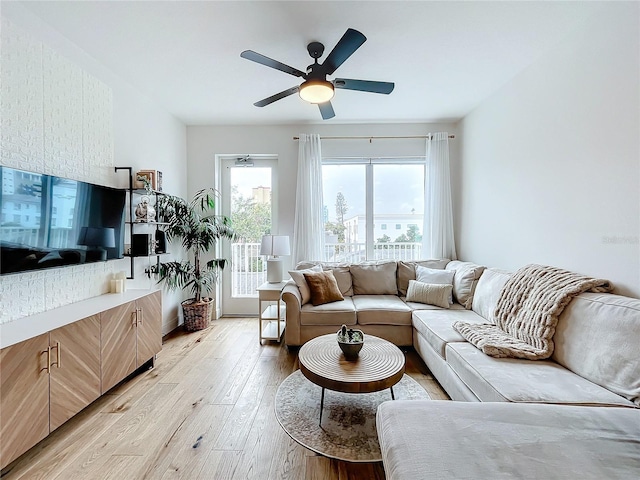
293 300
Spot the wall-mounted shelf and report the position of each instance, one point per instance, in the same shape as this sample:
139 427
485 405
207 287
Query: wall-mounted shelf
140 225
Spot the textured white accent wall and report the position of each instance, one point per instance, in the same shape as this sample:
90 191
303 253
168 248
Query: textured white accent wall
56 119
120 126
550 164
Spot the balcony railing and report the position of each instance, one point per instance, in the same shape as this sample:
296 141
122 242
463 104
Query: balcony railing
249 269
356 252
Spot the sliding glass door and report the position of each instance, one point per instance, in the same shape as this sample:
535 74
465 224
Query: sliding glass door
250 202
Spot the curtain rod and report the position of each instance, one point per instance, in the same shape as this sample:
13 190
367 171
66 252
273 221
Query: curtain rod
377 137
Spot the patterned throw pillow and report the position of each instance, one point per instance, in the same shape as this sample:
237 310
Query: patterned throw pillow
429 293
323 287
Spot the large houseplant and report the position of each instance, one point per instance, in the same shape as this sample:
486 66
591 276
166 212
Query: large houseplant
196 225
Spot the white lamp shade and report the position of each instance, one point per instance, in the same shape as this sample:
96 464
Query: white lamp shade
275 245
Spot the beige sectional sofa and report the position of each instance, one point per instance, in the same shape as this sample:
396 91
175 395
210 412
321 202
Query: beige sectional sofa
595 364
373 300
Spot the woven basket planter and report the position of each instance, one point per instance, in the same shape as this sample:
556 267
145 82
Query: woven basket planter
197 315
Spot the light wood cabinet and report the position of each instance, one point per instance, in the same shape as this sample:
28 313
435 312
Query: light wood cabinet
148 325
118 344
131 335
24 396
75 369
47 379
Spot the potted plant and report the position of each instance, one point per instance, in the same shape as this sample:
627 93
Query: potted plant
198 228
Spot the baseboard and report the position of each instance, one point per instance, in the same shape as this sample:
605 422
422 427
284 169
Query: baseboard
170 326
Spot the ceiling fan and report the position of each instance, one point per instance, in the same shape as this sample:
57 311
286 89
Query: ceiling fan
316 88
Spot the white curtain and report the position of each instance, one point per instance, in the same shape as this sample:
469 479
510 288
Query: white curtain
438 240
308 229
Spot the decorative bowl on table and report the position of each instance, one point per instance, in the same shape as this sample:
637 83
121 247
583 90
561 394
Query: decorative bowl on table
350 342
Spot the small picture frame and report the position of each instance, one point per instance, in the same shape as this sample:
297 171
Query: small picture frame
150 176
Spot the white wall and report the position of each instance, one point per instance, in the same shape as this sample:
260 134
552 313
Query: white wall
549 165
144 137
204 142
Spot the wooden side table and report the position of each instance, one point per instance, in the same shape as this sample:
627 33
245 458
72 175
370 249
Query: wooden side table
271 311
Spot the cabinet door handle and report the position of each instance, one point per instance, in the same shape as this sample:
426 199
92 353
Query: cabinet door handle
57 362
141 319
134 317
48 366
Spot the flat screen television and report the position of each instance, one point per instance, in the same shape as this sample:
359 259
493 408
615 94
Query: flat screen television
48 221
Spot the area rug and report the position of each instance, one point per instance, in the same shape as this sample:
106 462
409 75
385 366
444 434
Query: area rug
348 430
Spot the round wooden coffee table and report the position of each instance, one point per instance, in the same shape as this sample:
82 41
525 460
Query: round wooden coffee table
379 365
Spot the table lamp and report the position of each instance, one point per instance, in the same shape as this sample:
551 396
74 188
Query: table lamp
273 246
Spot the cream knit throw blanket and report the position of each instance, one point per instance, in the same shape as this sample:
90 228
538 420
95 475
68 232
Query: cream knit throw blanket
527 312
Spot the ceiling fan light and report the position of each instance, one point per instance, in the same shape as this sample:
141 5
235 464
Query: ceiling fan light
316 91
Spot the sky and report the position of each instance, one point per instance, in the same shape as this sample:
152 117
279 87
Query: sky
397 188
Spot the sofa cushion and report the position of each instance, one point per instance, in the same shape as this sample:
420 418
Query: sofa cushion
516 380
424 306
323 287
335 313
597 338
343 277
381 310
464 281
407 271
431 439
429 293
435 326
374 278
298 277
432 275
487 293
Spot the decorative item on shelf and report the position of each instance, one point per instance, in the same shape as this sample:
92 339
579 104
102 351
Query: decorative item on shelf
144 211
274 246
161 242
142 244
158 180
198 229
146 179
98 239
350 342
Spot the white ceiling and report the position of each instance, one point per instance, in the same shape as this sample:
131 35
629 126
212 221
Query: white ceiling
444 57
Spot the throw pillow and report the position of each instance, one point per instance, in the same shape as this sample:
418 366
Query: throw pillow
374 278
429 293
465 281
435 276
323 287
298 277
407 271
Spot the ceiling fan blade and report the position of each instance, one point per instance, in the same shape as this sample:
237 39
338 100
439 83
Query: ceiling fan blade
277 96
270 62
326 110
364 85
349 43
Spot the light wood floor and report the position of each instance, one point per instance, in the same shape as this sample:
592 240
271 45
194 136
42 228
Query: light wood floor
204 412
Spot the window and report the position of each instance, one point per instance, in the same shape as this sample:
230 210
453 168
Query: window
362 197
